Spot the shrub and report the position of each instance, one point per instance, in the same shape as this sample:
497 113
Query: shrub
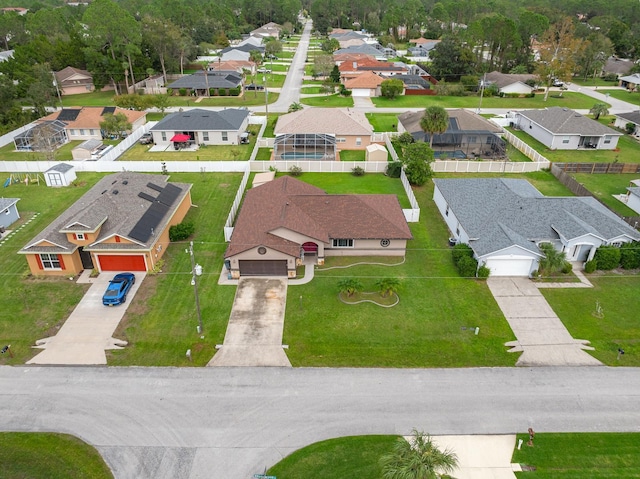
467 267
607 257
295 170
484 271
630 255
181 231
357 171
590 266
610 77
459 251
182 91
566 268
234 91
470 82
630 128
169 91
394 169
346 92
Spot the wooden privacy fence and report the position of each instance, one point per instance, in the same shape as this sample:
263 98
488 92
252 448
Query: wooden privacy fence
596 168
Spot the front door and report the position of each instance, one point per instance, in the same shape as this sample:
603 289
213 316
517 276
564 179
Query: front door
85 257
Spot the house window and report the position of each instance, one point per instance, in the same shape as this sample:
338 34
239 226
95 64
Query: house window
341 140
82 132
80 236
617 244
225 137
117 238
205 136
565 140
472 139
164 136
55 179
358 141
72 132
50 261
342 243
607 139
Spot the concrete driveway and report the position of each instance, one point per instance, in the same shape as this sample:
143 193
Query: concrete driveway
85 336
254 332
542 338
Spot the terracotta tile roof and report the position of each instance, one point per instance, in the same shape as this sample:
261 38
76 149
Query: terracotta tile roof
350 57
422 40
364 80
90 116
297 206
234 65
325 120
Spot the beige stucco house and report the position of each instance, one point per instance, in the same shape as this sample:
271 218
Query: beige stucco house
286 220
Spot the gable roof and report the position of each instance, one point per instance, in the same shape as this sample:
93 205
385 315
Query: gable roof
561 121
217 79
90 116
620 66
364 80
7 203
459 121
336 121
632 116
297 206
198 119
136 206
364 49
243 47
498 213
231 65
505 79
68 74
634 78
350 57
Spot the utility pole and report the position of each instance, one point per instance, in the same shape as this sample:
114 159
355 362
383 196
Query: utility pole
266 97
196 270
55 83
484 82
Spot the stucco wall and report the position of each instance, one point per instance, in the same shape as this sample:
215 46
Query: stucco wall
9 218
350 142
72 266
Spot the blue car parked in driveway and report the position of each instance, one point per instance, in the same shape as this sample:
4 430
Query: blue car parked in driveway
118 288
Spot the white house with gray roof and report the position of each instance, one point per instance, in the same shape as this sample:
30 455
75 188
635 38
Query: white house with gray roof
622 119
564 129
203 127
505 220
8 211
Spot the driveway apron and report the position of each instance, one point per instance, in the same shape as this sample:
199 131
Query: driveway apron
542 338
85 336
254 332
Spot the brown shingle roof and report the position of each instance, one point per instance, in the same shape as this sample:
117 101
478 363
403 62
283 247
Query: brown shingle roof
297 206
91 116
324 121
364 80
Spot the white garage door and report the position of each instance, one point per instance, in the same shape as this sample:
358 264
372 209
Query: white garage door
510 266
360 92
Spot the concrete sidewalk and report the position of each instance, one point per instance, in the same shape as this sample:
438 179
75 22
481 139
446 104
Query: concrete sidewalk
542 338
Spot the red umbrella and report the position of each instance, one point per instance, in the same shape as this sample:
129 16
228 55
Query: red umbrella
180 138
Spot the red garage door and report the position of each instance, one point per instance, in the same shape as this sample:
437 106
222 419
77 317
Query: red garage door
112 262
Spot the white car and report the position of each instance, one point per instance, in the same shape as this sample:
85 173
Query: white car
264 70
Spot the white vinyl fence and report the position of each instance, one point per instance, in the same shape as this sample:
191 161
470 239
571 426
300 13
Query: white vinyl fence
228 226
7 138
466 166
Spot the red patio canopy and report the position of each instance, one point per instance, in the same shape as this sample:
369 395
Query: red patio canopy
180 138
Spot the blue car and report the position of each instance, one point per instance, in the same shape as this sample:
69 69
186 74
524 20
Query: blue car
118 288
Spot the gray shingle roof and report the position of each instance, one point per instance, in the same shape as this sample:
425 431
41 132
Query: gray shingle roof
634 190
113 203
218 79
498 213
560 121
197 119
632 116
364 49
60 167
7 202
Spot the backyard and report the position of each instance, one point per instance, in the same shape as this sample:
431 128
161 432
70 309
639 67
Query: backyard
605 186
383 122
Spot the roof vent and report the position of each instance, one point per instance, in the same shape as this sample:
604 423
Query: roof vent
114 192
114 182
565 109
125 182
103 192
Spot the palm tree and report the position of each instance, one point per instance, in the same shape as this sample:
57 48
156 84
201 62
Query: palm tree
435 120
553 260
388 286
598 110
418 459
350 286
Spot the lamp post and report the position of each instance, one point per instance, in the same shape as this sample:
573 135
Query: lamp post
196 270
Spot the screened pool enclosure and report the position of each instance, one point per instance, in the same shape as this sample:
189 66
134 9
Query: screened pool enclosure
304 146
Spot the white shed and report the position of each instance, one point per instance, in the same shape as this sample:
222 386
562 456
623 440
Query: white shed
83 150
376 152
60 175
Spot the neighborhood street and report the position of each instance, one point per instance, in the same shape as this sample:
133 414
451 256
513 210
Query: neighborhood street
232 422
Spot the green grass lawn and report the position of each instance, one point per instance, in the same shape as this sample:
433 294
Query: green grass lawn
204 153
33 308
341 458
312 90
160 324
264 154
428 328
352 155
580 456
629 151
329 101
271 124
383 121
569 100
604 186
544 181
96 98
49 456
594 82
632 97
620 302
250 98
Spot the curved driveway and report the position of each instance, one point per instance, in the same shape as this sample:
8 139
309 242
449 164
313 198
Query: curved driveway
232 422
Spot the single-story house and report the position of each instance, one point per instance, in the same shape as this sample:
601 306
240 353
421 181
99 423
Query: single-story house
202 127
365 84
245 47
121 224
319 133
216 81
468 134
630 82
631 117
382 68
8 212
238 66
617 66
351 57
285 220
366 49
509 83
417 84
421 47
83 123
504 221
270 29
60 175
632 199
72 81
563 129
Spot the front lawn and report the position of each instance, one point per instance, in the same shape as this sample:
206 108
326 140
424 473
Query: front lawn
430 327
629 96
311 90
568 100
605 186
383 122
580 455
49 456
329 101
617 294
250 98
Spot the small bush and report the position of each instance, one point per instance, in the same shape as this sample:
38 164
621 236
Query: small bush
357 171
295 170
590 266
566 268
607 257
222 92
182 91
484 271
181 231
630 255
610 77
234 91
346 92
394 169
460 250
467 267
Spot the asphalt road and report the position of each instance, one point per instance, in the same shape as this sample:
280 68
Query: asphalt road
232 422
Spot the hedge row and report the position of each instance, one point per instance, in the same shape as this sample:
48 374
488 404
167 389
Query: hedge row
607 258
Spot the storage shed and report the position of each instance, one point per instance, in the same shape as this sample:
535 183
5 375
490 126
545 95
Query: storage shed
60 175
